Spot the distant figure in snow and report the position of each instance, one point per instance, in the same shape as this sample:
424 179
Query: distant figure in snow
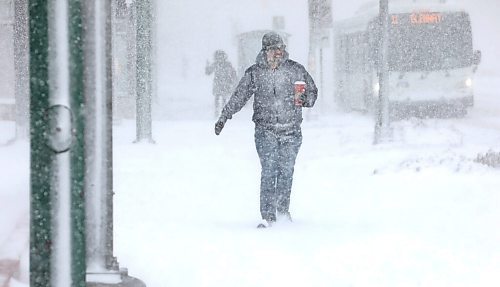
224 79
281 88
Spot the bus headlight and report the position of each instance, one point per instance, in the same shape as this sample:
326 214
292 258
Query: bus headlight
468 82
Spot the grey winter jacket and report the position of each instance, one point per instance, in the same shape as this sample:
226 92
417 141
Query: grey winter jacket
273 92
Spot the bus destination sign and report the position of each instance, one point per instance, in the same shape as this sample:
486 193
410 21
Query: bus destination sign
417 18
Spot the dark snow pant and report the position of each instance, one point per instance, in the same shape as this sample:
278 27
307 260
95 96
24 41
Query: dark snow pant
277 151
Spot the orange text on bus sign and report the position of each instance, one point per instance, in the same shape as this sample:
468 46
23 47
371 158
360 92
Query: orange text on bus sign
394 20
426 18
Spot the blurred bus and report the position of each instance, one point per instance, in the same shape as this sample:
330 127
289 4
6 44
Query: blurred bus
431 60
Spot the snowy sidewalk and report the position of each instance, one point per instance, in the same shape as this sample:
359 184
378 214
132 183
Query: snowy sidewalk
415 212
14 208
14 254
418 211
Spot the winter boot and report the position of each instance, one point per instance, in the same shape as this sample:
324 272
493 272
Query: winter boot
265 224
285 216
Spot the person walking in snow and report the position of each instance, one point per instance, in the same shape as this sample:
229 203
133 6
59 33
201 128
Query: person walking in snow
224 79
277 114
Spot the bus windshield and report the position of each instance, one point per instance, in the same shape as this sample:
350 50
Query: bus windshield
429 41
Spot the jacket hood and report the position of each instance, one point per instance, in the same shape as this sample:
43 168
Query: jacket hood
262 58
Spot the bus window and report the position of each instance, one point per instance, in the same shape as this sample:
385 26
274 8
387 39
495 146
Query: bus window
430 43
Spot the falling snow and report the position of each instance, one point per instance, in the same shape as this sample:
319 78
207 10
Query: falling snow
420 209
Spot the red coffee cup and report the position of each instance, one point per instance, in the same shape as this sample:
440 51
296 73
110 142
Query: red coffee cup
300 88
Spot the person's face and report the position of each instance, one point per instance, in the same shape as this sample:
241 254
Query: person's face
275 54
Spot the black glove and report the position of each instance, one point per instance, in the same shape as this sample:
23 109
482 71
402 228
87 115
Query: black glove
219 125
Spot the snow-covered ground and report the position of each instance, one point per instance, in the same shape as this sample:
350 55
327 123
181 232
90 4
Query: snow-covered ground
415 211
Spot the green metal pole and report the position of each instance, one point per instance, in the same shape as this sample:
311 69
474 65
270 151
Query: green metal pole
77 103
41 156
56 79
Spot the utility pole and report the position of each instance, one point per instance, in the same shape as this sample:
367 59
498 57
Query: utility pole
41 156
144 48
382 125
98 139
102 267
57 228
71 146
